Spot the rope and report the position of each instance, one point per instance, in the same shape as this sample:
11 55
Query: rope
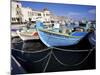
70 50
44 70
19 50
43 57
58 59
17 42
52 53
76 63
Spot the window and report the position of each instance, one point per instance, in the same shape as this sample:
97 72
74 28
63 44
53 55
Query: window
47 14
13 19
18 10
43 14
39 14
32 14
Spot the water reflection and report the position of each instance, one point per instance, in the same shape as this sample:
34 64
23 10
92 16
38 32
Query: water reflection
38 58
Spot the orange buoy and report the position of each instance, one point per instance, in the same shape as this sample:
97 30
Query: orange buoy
35 33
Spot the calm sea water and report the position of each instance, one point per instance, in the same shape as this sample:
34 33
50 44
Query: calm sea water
35 59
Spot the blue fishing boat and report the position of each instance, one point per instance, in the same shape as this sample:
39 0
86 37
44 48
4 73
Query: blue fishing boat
51 38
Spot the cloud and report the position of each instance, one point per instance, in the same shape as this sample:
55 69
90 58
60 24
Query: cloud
93 11
73 14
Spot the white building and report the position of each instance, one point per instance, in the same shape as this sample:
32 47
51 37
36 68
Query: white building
15 11
26 13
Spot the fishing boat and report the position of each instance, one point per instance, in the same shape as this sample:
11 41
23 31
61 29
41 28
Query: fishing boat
92 29
13 33
30 34
51 38
92 38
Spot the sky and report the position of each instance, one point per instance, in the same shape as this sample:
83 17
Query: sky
73 11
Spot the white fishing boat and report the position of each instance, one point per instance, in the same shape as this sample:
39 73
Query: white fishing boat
13 33
30 34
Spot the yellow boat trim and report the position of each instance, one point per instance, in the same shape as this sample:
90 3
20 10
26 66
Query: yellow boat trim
62 34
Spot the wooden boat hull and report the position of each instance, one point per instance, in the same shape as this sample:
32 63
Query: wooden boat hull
28 36
52 39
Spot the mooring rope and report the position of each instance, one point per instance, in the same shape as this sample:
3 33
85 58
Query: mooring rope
51 53
43 58
44 70
17 42
70 50
20 50
76 63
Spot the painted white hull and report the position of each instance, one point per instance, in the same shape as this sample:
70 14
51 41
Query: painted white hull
14 34
27 36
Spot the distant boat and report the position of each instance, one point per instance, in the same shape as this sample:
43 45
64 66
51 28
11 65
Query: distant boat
51 38
14 28
28 34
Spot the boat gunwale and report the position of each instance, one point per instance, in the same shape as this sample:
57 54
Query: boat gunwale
62 34
25 33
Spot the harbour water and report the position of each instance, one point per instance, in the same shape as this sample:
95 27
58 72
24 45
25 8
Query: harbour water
35 57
